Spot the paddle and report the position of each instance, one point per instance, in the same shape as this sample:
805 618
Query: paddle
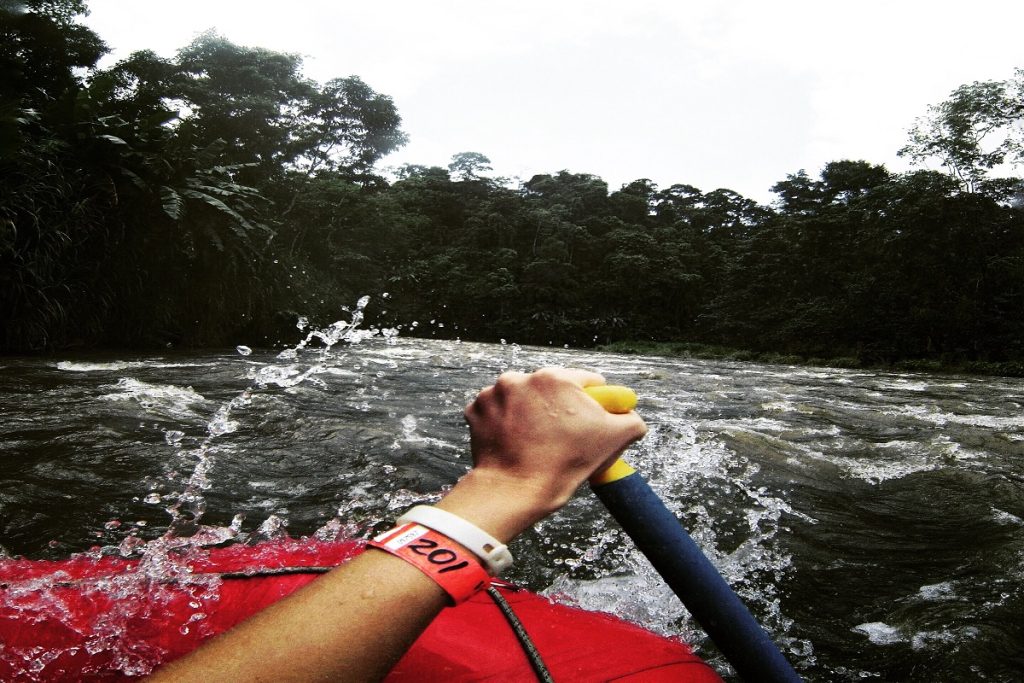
675 555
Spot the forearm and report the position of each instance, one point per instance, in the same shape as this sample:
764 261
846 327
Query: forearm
324 627
356 622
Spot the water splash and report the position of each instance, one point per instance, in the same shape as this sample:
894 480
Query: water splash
133 597
190 504
335 333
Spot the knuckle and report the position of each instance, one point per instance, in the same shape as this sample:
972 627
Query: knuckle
546 377
479 404
550 374
508 379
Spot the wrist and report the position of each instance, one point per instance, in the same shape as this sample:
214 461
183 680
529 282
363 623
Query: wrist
502 505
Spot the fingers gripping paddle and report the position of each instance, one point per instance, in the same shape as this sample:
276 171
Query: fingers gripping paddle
663 540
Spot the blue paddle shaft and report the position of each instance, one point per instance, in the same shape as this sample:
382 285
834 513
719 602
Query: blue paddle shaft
674 554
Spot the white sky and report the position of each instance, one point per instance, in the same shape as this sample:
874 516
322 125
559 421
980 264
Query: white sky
733 94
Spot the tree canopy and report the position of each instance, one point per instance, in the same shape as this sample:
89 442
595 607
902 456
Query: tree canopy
973 132
215 196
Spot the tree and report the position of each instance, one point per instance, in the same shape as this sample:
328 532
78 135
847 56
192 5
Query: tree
798 193
469 165
259 103
973 132
634 202
844 181
347 128
42 49
580 197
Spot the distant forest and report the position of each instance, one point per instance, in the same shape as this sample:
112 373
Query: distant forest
213 198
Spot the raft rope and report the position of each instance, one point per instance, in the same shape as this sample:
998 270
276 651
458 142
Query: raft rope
536 661
529 648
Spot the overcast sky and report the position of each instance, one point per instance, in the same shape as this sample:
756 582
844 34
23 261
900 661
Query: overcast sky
733 94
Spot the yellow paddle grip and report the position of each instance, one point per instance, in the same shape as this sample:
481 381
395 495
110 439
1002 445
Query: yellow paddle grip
615 399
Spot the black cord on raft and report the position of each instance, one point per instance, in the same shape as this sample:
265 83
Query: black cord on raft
529 648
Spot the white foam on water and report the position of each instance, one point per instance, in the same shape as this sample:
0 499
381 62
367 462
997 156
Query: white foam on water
880 633
941 418
637 598
784 407
991 421
836 374
118 365
878 472
72 366
278 375
902 384
937 592
296 489
924 640
340 372
410 434
1004 517
910 458
388 363
923 413
752 424
164 399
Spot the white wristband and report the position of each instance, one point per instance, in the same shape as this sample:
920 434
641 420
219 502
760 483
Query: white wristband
491 551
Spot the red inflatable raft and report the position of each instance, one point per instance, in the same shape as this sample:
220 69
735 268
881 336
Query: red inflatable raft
108 618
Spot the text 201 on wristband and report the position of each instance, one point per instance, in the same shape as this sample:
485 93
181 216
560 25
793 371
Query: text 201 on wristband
458 571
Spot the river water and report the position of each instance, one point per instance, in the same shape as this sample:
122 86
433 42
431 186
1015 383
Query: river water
873 522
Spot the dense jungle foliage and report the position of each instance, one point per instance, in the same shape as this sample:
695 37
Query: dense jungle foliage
215 197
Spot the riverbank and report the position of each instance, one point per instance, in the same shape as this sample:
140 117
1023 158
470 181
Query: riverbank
668 349
713 352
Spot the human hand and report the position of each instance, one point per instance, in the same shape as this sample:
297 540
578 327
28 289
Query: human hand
535 438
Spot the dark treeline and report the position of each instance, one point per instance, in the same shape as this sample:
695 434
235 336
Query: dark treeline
214 197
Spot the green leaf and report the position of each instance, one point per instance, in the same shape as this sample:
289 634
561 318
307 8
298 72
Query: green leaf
239 220
173 204
114 139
